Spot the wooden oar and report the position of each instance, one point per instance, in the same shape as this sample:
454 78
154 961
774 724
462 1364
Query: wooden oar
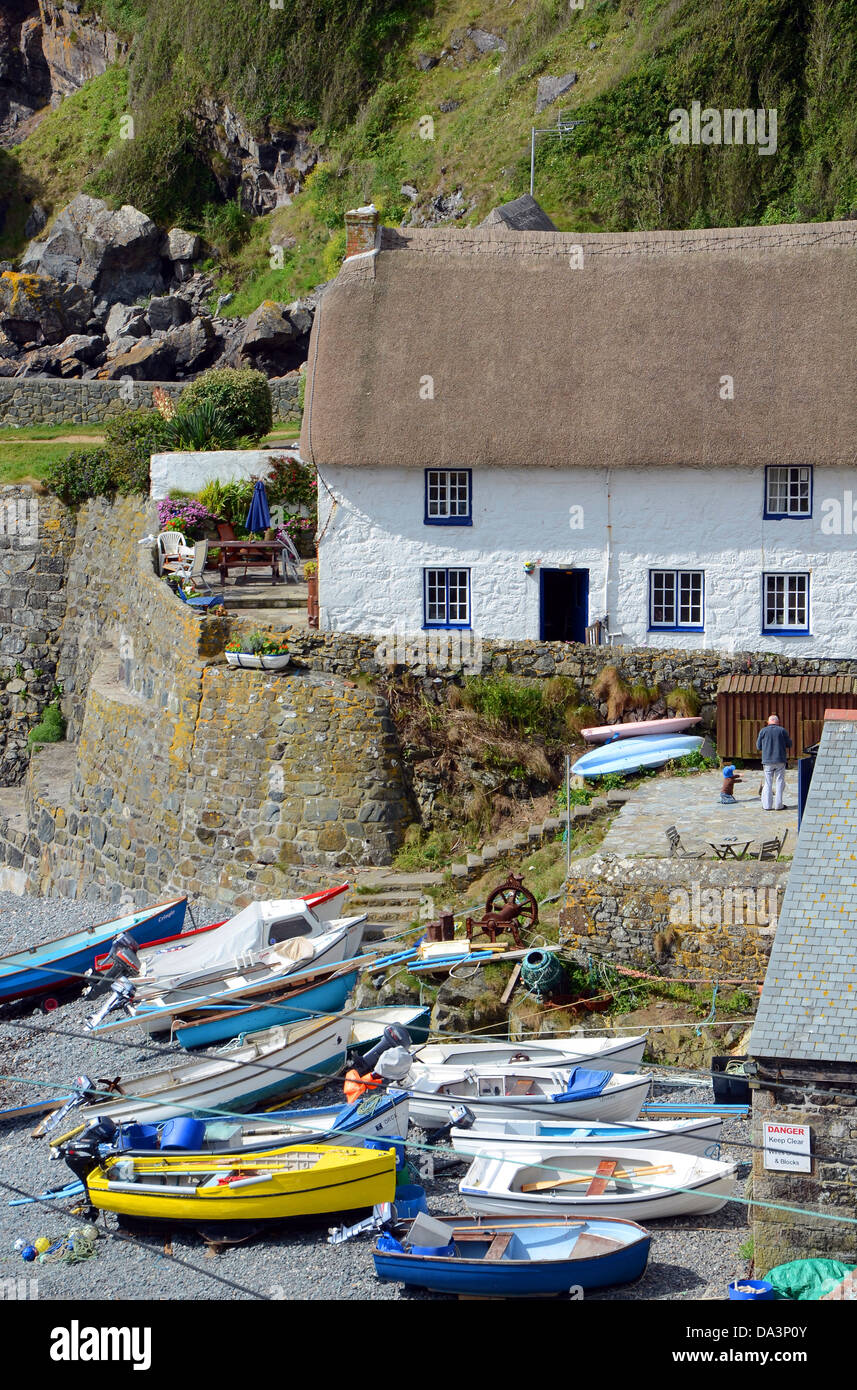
617 1176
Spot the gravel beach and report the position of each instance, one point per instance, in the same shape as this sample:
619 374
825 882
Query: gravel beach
691 1258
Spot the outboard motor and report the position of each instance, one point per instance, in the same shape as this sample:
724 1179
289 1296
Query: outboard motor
81 1091
394 1064
122 962
81 1157
394 1035
121 994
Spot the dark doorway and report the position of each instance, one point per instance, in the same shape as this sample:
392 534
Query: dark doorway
565 605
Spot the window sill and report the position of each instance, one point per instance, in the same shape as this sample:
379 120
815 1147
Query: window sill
675 629
785 632
787 516
446 627
448 521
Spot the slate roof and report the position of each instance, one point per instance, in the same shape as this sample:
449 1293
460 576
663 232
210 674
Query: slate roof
808 1009
522 215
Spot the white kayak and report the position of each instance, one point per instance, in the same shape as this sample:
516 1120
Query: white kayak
604 733
633 754
531 1140
506 1093
610 1180
619 1054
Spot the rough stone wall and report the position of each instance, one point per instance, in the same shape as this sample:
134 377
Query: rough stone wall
680 919
36 541
48 400
779 1234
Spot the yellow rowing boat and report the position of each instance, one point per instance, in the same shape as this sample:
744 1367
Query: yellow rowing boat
302 1180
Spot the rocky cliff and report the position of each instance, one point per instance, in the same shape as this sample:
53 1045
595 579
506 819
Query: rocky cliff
47 51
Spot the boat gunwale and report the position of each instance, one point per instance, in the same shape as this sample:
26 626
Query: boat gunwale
84 932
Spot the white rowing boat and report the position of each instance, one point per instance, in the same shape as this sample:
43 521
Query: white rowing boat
532 1140
619 1054
613 1181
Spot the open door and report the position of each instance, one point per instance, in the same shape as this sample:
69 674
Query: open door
564 605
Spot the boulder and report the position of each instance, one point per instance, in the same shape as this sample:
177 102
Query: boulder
425 62
123 343
36 221
300 317
194 344
85 347
116 255
167 311
550 88
126 321
485 42
181 246
151 360
36 309
268 327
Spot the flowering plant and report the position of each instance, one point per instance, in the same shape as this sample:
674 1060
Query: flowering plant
260 644
188 516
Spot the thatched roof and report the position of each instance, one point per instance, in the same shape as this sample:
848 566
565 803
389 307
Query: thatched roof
521 215
617 363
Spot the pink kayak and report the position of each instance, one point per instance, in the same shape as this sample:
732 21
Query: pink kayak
605 732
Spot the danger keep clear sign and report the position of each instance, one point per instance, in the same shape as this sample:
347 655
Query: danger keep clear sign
787 1147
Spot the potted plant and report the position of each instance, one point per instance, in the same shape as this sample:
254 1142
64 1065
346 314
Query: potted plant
259 652
311 577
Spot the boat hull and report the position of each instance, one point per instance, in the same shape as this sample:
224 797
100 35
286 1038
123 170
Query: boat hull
632 754
210 1086
431 1110
498 1140
58 964
619 1054
345 1179
639 728
328 996
547 1272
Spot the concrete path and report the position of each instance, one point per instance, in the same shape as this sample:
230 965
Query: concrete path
692 804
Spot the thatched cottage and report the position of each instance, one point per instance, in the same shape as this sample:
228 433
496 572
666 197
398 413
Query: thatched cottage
526 432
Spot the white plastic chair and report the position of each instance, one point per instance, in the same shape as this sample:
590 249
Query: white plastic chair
172 550
193 568
291 561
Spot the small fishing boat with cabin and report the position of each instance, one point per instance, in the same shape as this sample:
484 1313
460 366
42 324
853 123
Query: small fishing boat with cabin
619 1054
62 962
508 1094
497 1258
610 1180
273 1185
532 1140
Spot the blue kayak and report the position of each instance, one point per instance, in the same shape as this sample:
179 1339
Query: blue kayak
633 754
511 1258
52 965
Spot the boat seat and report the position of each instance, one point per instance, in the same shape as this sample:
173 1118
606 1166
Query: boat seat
499 1244
588 1244
604 1172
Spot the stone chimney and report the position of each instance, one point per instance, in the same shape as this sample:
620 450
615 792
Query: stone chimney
361 226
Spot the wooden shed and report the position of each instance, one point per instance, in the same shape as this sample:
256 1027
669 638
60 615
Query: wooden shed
744 703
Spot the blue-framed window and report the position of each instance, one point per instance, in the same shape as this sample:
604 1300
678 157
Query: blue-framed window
676 600
449 497
446 598
788 492
785 603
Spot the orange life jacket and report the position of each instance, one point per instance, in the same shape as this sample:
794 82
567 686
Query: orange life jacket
356 1085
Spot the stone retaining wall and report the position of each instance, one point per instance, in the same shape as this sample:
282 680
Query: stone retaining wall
676 918
36 542
49 400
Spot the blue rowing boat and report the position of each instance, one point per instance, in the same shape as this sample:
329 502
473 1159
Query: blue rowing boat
512 1258
326 997
53 965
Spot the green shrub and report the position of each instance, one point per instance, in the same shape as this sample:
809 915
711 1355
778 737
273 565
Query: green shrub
202 426
81 474
241 397
504 701
51 729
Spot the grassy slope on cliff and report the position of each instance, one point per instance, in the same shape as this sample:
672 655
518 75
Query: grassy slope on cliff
365 97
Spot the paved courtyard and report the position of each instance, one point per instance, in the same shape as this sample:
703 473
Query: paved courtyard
692 804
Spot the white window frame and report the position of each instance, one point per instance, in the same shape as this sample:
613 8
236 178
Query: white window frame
448 497
687 597
792 599
788 491
437 615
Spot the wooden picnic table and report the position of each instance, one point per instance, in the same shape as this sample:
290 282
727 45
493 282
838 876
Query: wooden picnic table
256 552
726 849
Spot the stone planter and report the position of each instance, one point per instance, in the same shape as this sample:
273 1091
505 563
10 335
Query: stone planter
249 662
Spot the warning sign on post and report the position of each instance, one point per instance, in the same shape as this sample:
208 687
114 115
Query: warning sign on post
787 1148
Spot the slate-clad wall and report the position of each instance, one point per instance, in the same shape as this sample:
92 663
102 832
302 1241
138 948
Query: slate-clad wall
698 920
49 400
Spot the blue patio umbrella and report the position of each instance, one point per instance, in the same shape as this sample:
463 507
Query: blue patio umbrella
259 515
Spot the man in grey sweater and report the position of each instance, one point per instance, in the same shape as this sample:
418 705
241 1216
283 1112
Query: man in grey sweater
774 743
